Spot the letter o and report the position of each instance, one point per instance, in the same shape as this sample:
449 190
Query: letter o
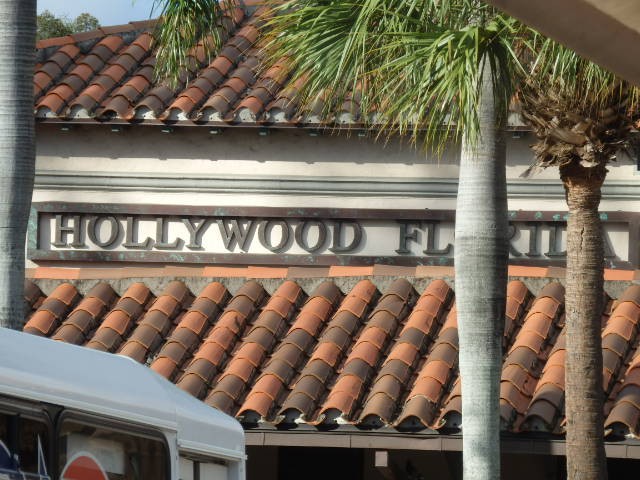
264 234
303 229
94 230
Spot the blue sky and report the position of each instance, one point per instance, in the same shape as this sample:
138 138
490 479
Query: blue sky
108 12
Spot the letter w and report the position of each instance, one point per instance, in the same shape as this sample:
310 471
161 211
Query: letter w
241 235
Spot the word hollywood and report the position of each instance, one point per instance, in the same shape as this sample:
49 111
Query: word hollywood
274 234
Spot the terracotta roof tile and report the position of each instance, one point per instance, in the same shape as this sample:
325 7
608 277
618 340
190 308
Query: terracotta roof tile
218 344
260 340
189 333
374 360
33 297
404 352
86 316
150 333
237 88
53 310
41 323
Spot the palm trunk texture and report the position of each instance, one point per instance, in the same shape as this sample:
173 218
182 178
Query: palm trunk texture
481 256
586 458
17 150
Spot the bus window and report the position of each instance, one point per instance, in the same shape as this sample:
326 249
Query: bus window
202 468
109 453
212 471
24 446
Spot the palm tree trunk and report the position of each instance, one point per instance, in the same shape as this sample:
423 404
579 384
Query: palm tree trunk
583 300
17 150
481 256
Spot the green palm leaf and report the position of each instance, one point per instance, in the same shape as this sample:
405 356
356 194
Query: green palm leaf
419 61
183 24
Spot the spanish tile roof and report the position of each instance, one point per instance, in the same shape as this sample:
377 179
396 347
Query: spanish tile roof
359 356
107 76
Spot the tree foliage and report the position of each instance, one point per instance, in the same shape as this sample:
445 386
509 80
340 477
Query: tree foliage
420 62
85 22
184 25
50 26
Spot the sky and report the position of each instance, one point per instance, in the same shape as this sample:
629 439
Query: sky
108 12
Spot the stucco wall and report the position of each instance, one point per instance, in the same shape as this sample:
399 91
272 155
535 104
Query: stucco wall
191 166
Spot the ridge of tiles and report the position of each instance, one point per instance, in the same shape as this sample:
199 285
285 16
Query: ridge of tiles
364 358
546 409
85 317
124 315
528 354
415 337
211 356
33 298
310 388
439 341
366 354
231 385
110 77
623 419
148 335
53 310
292 351
188 334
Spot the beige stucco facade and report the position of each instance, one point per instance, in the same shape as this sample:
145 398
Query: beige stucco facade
190 166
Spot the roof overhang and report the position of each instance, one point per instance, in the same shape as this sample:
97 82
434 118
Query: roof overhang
606 32
349 437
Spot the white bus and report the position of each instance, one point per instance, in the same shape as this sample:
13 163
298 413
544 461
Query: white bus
71 413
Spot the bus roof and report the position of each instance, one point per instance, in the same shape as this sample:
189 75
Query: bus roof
114 386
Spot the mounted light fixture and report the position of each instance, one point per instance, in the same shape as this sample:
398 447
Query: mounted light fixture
263 132
215 131
166 130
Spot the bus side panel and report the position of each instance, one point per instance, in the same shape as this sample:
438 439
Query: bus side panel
172 441
237 470
213 471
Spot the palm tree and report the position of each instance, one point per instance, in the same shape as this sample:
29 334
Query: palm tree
582 116
444 71
441 72
17 150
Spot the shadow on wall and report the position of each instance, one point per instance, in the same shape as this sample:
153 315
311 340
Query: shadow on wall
228 144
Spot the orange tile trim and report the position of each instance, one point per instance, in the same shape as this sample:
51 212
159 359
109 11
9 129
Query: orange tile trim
224 272
346 271
55 273
556 272
175 271
428 271
615 274
267 272
308 272
111 273
393 271
520 271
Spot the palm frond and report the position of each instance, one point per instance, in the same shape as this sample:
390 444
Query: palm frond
183 25
591 86
581 113
444 70
418 62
